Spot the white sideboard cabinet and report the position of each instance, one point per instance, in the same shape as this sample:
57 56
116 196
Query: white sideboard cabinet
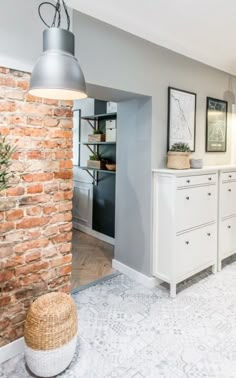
227 214
185 223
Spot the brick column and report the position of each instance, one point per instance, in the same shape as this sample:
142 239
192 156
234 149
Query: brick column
35 213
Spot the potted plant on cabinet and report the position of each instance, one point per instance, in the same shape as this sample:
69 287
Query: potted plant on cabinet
95 161
97 136
179 156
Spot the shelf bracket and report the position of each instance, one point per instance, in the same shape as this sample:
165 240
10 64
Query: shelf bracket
94 176
90 149
90 123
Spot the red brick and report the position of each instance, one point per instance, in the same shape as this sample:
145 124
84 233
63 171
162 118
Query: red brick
32 177
65 248
66 164
5 250
62 196
33 189
14 261
63 112
7 226
61 261
4 70
36 210
6 81
60 134
23 84
32 244
32 256
6 275
13 192
49 210
31 268
34 121
14 214
35 199
34 155
32 222
7 106
66 123
63 175
4 300
50 122
64 270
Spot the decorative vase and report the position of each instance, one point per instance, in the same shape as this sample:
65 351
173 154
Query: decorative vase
178 160
50 334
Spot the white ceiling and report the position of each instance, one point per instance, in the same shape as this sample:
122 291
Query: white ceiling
204 30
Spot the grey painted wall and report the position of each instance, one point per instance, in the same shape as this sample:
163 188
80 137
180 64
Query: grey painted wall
133 184
112 58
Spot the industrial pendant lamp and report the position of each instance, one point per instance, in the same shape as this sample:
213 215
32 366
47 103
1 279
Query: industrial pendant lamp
57 73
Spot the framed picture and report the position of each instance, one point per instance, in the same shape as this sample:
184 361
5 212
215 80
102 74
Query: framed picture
181 117
216 125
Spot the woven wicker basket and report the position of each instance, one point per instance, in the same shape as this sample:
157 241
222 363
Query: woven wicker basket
50 334
178 160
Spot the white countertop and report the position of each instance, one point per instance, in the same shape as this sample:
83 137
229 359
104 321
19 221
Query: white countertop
191 171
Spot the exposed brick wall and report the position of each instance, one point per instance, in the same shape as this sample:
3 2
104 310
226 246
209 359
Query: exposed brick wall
35 213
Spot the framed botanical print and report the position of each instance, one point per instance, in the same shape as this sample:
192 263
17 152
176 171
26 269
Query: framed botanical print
181 117
216 125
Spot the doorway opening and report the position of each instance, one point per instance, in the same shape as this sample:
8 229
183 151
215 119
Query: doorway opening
104 126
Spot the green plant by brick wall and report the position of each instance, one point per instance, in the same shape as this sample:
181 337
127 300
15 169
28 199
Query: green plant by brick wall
6 152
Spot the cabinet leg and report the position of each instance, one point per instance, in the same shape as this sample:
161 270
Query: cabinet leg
219 266
214 269
173 290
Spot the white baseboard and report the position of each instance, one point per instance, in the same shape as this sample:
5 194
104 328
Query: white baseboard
93 233
150 282
11 350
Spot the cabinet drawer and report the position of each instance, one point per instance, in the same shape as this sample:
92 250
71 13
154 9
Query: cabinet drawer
196 180
228 199
227 176
195 206
227 236
195 249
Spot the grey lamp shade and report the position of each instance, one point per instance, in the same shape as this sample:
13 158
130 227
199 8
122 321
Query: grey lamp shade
57 73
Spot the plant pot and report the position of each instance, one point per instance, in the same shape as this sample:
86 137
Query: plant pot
178 160
95 138
97 164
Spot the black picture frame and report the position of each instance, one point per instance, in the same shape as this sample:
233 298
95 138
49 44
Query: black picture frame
216 125
189 120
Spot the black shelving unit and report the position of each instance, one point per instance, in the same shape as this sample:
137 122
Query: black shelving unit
93 121
104 180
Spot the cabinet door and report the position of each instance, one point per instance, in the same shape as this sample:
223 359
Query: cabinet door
195 206
228 199
196 249
227 236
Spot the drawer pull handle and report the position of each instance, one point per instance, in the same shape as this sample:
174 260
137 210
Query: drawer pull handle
229 226
209 194
187 242
229 190
188 181
209 178
187 198
230 176
208 234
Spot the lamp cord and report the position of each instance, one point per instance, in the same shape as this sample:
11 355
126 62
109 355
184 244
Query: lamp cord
56 22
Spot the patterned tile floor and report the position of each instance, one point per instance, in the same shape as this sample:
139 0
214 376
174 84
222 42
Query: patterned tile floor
128 331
